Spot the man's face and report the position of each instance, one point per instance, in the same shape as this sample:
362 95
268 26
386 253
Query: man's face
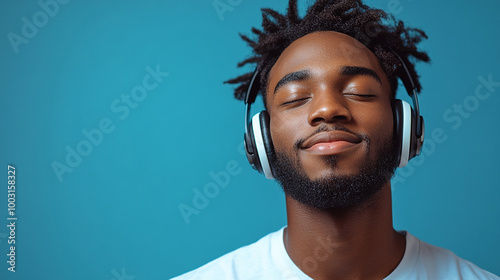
331 117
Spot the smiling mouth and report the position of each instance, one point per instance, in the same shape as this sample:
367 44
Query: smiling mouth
331 142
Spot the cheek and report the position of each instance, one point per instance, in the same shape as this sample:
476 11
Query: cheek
284 131
380 123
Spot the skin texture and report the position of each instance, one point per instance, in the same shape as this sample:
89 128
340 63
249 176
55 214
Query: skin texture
315 91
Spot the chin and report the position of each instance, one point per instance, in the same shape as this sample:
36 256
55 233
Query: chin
329 166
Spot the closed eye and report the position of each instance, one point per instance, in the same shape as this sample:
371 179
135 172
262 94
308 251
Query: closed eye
296 102
360 96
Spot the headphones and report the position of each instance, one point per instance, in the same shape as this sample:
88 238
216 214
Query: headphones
408 126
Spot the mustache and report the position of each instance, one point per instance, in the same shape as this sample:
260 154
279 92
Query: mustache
325 128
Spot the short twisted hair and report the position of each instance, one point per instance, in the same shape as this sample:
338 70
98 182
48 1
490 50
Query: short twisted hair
376 29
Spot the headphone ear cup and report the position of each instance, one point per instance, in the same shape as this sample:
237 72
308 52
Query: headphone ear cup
404 127
268 144
251 148
397 109
261 144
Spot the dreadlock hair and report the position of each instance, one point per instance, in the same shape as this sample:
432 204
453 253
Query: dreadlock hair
374 28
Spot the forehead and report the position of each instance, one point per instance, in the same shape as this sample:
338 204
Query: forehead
322 52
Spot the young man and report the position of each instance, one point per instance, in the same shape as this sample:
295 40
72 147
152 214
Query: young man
332 135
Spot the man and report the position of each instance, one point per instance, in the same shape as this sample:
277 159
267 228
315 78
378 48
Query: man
332 135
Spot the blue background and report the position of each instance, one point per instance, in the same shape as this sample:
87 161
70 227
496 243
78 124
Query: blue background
117 213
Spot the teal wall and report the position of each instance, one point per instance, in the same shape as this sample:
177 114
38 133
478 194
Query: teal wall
125 99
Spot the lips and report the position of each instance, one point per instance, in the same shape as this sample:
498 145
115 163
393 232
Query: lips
329 140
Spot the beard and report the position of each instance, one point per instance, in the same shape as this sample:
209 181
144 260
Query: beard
336 191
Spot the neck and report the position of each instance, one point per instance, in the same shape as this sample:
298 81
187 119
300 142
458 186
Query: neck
357 243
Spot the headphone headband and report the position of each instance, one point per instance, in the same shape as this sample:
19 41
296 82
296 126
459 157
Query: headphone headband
251 94
252 89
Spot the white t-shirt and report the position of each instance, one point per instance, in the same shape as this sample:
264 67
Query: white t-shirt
268 259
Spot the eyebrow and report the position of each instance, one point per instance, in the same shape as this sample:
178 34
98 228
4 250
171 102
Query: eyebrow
293 77
356 70
345 71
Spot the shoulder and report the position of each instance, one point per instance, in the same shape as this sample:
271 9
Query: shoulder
248 262
426 261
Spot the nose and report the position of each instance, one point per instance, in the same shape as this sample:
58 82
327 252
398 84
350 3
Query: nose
328 107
